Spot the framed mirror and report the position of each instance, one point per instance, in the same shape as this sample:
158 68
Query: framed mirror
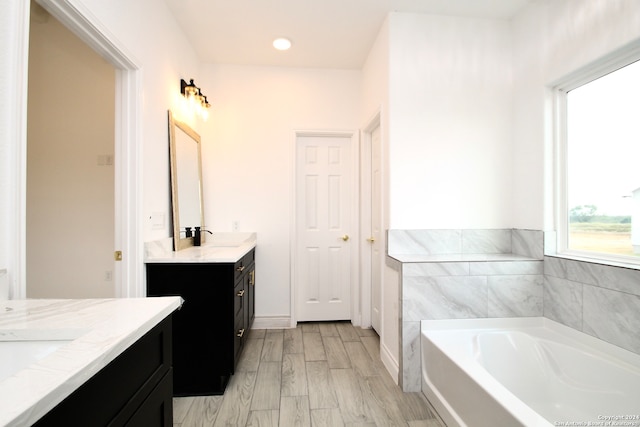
186 183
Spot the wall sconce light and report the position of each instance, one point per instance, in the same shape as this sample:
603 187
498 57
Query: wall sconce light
196 99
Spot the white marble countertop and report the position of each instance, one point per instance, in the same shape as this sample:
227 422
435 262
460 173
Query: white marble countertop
96 330
460 257
219 247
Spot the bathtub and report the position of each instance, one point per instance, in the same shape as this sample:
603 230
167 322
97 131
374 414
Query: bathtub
526 372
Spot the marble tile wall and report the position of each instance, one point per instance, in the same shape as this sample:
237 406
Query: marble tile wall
462 290
444 289
528 243
441 242
600 300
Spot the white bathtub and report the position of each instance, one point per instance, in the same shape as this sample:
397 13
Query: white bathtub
526 372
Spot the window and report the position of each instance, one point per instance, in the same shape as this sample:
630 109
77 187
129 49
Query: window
599 123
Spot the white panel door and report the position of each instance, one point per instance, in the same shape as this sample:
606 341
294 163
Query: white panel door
323 217
377 255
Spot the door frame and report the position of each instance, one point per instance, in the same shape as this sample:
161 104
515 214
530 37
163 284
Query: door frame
129 273
353 135
366 205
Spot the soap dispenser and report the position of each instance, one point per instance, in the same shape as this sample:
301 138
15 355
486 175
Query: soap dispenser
197 236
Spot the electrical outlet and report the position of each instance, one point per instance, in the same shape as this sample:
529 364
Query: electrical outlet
108 276
234 226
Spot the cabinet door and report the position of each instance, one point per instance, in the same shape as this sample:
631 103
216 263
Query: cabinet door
157 409
252 296
203 327
239 309
117 391
249 285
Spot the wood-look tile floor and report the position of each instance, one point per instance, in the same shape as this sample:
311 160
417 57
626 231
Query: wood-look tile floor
319 374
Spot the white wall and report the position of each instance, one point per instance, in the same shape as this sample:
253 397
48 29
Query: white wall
375 100
551 39
444 87
375 80
149 35
255 113
70 197
450 122
248 147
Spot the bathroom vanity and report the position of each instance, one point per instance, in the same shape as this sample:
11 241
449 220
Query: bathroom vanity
217 283
86 362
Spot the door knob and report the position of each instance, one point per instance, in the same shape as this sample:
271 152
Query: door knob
345 237
371 240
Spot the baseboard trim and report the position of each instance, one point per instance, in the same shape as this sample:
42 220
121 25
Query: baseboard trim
389 362
271 322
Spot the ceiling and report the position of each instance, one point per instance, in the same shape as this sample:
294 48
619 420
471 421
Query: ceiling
325 33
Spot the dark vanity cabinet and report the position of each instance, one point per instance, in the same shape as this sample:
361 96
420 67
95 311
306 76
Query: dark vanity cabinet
210 329
132 390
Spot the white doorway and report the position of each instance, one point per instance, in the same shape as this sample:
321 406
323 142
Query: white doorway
70 165
373 250
128 274
325 233
376 238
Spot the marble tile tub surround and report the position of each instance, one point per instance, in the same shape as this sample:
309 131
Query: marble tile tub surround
439 243
600 300
459 274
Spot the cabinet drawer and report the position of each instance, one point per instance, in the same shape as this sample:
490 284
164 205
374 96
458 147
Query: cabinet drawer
242 265
240 295
157 409
239 332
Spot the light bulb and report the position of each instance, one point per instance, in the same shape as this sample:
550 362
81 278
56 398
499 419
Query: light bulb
282 43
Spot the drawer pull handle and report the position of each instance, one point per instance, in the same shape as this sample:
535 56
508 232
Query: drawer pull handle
252 280
240 269
240 333
240 293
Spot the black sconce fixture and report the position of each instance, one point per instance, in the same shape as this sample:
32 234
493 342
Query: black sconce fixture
195 97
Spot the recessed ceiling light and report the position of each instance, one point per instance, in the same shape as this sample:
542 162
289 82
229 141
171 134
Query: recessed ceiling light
282 43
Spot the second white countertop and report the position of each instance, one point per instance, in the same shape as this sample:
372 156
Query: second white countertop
219 247
95 332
